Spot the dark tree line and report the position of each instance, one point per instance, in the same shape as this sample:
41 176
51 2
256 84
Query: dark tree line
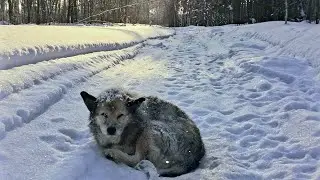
219 12
163 12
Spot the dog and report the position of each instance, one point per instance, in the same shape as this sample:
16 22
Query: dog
129 128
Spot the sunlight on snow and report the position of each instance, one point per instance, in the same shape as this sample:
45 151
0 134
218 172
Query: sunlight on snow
140 69
22 38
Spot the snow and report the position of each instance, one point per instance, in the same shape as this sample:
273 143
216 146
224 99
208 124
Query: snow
26 44
4 23
252 90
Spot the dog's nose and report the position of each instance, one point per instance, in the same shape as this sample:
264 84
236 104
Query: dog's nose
111 130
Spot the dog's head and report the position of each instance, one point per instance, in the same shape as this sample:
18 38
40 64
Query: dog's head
110 113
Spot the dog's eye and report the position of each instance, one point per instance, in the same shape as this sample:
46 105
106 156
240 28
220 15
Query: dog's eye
119 116
104 114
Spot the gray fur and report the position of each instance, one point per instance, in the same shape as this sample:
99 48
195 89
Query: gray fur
147 128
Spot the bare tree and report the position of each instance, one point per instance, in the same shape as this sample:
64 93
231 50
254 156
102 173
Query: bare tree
236 6
10 11
317 9
38 12
3 10
29 8
286 14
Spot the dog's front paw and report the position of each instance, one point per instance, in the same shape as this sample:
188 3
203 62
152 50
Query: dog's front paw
109 157
111 154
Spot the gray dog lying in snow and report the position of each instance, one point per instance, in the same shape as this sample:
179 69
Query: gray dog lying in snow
130 129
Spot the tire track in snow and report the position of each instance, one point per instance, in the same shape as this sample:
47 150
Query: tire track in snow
20 78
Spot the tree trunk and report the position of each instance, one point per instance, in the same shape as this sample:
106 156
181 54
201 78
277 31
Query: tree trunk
286 15
69 11
236 5
317 8
38 12
2 8
74 11
29 6
10 12
310 10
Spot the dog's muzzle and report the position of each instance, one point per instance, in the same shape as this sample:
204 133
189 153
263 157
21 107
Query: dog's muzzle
111 130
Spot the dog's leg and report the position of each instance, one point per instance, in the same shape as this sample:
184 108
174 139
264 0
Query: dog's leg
119 156
149 169
130 160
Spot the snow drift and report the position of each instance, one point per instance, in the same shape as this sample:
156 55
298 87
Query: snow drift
29 44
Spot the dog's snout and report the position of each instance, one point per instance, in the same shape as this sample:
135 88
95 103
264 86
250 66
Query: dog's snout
111 130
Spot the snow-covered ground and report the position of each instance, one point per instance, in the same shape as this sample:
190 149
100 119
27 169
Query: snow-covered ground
253 91
26 44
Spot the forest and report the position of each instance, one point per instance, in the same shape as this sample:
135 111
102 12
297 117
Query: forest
162 12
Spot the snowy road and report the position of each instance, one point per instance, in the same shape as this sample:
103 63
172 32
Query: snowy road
257 106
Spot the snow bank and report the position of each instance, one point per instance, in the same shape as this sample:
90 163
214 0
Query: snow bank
29 44
299 40
4 23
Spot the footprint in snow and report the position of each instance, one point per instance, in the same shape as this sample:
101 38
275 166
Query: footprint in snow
213 120
58 142
245 117
189 101
179 82
65 141
267 143
200 112
279 138
226 112
183 104
57 120
72 133
173 93
204 125
209 162
296 154
254 95
296 106
307 169
264 86
313 118
248 141
237 129
277 175
316 134
171 79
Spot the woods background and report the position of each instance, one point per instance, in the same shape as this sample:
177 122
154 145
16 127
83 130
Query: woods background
162 12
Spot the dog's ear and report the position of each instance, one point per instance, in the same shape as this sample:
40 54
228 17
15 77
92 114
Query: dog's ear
89 100
135 103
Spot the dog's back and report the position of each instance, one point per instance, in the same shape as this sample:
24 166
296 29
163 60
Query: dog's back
176 146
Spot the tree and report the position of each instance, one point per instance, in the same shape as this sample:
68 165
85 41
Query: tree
38 12
10 12
317 8
3 10
29 8
286 16
236 6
